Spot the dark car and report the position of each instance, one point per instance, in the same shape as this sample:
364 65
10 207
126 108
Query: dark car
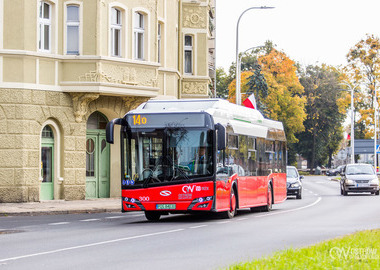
359 178
293 182
336 171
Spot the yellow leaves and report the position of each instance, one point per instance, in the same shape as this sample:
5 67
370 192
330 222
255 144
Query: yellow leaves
244 78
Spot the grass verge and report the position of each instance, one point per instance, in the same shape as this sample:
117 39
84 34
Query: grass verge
360 250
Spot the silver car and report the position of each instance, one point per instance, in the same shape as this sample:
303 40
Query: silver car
359 178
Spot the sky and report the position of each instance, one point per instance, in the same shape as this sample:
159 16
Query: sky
308 31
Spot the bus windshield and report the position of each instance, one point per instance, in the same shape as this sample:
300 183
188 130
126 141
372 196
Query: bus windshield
162 156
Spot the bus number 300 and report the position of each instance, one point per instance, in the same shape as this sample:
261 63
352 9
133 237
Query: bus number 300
138 120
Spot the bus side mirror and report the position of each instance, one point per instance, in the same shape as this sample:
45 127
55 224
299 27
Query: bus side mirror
110 129
221 136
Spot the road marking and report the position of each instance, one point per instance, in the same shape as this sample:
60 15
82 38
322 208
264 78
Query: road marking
240 219
291 210
224 222
90 219
58 223
137 215
114 217
196 227
88 245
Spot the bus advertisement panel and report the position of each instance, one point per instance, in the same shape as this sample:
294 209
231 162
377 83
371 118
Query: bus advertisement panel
196 155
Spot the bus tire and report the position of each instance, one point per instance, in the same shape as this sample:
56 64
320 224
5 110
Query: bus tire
268 207
152 215
233 203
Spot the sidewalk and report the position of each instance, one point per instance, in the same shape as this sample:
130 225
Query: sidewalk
55 207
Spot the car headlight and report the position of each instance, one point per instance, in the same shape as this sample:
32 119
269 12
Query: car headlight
295 185
374 181
349 182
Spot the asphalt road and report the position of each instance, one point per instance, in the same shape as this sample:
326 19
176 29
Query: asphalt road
128 241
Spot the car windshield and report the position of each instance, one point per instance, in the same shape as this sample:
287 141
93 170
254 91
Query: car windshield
360 169
291 173
167 155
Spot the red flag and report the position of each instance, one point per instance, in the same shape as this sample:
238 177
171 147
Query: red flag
250 102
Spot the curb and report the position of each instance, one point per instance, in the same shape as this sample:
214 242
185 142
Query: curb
59 212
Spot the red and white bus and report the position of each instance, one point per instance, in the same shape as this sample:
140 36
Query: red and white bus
182 156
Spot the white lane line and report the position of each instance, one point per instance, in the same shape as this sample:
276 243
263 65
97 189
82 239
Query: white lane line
115 217
90 219
224 222
239 219
196 227
137 215
88 245
58 223
291 210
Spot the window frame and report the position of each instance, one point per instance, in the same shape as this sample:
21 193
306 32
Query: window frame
159 41
118 26
188 48
77 24
137 30
42 22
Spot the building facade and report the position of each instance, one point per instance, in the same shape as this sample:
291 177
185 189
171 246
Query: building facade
67 67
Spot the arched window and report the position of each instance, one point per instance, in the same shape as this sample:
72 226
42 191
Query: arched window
47 155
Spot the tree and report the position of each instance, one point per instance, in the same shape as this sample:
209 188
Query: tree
283 100
320 140
364 61
221 83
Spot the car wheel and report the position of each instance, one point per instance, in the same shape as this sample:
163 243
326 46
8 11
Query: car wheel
344 193
232 212
377 192
152 215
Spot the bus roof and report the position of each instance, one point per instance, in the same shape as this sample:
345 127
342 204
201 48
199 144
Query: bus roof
242 119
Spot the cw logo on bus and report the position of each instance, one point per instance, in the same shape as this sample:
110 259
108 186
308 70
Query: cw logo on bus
188 189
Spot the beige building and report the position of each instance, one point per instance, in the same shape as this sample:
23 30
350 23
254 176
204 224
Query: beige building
67 67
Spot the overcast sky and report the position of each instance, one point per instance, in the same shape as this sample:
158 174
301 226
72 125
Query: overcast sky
308 31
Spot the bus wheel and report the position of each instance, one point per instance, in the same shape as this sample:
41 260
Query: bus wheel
232 212
152 215
268 207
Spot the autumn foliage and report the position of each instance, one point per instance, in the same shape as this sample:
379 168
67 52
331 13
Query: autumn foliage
284 101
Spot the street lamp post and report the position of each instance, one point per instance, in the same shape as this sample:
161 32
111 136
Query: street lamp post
352 121
238 94
375 105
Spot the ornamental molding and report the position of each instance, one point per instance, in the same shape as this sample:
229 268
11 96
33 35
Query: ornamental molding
80 104
132 102
194 88
124 75
195 17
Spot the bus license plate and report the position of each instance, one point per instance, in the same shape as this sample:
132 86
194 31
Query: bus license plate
165 206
